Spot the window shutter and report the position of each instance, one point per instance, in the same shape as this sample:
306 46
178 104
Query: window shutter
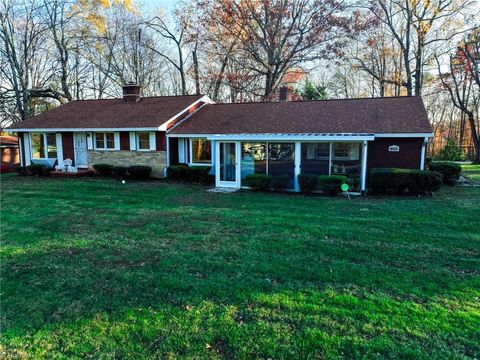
90 141
133 141
59 148
116 136
153 142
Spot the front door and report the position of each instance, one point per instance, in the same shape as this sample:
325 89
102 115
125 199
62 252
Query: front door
80 149
226 174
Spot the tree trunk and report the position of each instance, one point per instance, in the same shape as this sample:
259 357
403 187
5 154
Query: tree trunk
195 70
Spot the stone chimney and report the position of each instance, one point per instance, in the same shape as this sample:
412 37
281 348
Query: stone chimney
131 93
285 94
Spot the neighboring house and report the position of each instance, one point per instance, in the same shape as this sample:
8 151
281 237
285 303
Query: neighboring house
10 153
278 138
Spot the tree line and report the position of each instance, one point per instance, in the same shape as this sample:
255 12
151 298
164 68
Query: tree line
55 51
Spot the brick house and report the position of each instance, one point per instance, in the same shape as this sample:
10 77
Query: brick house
346 136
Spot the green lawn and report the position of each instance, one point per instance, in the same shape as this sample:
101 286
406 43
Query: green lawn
471 171
98 269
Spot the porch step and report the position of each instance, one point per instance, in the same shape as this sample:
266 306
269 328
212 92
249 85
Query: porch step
223 190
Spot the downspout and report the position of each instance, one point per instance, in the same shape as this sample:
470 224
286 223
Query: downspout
364 167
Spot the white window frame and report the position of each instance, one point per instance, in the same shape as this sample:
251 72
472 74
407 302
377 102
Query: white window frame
44 135
152 141
116 140
190 152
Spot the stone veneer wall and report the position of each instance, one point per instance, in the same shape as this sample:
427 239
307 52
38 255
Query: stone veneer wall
157 160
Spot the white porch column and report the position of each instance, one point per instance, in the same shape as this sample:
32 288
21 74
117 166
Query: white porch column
364 166
59 148
28 148
298 163
422 156
167 146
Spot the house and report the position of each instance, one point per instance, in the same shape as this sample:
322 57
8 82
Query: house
346 136
10 154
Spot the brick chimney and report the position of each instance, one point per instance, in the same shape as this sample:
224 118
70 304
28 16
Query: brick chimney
131 93
285 94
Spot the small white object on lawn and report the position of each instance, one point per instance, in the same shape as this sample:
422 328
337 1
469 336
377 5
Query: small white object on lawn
123 181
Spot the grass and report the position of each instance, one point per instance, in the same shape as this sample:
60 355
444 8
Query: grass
98 269
471 171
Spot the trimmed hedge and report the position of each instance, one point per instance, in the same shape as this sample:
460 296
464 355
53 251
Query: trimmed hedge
404 181
119 171
189 173
103 169
279 182
45 171
450 171
139 172
177 172
198 173
331 185
307 182
258 182
33 169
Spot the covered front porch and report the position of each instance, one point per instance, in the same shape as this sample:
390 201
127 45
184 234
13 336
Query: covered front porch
234 157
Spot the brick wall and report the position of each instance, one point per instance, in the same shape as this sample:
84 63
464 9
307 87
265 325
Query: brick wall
157 160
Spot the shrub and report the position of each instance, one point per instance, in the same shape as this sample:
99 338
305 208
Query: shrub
452 152
139 172
119 171
331 185
401 181
280 182
33 169
449 170
307 183
45 171
21 170
258 182
103 169
177 172
198 173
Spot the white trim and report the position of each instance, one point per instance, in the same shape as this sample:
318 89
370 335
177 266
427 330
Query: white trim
364 166
304 137
422 156
83 129
298 164
205 98
59 148
404 135
281 137
133 141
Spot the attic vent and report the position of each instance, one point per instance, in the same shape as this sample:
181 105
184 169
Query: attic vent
394 148
131 92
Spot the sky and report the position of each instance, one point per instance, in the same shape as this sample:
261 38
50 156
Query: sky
151 5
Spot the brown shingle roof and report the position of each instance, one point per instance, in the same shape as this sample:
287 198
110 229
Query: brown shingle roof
110 113
366 115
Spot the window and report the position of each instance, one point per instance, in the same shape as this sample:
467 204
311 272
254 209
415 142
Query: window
143 139
318 151
345 151
105 141
201 151
44 145
254 159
